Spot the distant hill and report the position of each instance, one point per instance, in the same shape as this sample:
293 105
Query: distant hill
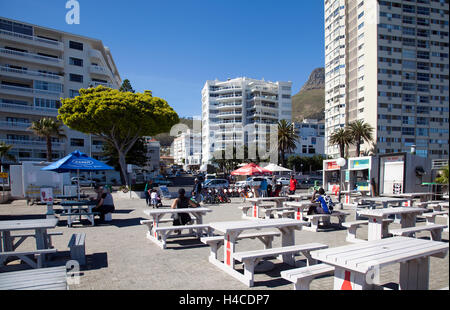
309 102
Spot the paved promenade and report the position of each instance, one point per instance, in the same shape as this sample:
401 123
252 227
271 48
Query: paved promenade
119 256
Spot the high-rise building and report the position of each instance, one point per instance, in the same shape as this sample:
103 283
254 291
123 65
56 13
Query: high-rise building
311 140
228 107
188 149
38 66
386 62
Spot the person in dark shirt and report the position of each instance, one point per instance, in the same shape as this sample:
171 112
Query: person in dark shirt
105 203
197 190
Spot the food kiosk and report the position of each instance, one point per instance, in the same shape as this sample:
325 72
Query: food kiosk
331 175
360 172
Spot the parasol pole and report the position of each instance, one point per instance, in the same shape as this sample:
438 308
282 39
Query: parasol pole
78 178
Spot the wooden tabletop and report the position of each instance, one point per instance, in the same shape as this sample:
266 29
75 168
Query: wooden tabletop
28 224
389 211
362 257
225 227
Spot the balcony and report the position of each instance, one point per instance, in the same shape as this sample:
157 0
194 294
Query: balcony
30 57
95 84
34 144
27 109
14 126
232 105
226 98
28 91
95 54
20 73
99 70
31 40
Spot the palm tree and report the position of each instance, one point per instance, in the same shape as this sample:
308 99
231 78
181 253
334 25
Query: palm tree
48 128
359 130
286 139
4 152
342 138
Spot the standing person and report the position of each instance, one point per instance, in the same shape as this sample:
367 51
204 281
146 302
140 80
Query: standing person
197 190
105 204
292 185
263 187
148 189
326 204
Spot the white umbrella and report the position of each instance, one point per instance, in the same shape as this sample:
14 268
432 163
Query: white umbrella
276 168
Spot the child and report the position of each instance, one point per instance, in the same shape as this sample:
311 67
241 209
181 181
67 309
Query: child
154 198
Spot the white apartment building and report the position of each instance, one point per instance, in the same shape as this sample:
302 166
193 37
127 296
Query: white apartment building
388 65
311 142
229 107
153 155
187 150
38 66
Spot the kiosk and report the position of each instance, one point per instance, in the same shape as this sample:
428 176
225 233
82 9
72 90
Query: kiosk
361 170
331 176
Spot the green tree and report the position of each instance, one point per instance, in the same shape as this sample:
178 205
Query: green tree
136 156
121 118
126 86
286 139
48 128
360 131
342 138
4 152
443 176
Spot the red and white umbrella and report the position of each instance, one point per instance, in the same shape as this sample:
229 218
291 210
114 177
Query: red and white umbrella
251 169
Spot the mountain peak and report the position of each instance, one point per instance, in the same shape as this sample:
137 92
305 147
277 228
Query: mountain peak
316 80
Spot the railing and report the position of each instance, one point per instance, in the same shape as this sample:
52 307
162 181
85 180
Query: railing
30 72
27 107
14 125
95 84
99 70
32 38
234 104
31 142
31 90
31 55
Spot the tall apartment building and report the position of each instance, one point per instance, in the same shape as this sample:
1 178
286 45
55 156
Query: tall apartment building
38 66
386 62
188 149
229 106
311 142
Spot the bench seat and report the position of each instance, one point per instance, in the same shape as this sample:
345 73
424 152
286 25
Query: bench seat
325 219
302 277
215 242
160 234
89 215
25 257
54 278
77 245
23 237
434 229
251 258
353 226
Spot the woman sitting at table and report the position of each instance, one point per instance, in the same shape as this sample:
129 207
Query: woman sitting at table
105 203
183 202
326 204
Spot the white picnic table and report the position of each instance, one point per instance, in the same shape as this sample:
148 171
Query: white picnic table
82 208
257 202
300 207
39 226
411 196
357 266
375 227
158 214
232 230
384 201
301 196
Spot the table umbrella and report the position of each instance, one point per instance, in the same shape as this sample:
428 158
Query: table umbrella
251 169
77 161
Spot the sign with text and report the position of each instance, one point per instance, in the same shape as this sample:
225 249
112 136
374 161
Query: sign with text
47 195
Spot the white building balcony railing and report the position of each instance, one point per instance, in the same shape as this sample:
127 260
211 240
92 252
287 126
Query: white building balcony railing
16 126
29 73
29 91
23 38
31 57
33 143
27 109
99 70
95 84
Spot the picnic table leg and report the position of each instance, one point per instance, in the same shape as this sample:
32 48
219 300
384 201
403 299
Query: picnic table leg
375 228
41 242
229 247
414 274
287 239
408 220
255 210
7 241
350 280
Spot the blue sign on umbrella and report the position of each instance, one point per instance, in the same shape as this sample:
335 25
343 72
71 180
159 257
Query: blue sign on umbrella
77 161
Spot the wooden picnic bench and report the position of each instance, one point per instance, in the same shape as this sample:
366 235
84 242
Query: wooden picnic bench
35 259
215 242
54 278
353 226
251 258
315 219
302 277
434 229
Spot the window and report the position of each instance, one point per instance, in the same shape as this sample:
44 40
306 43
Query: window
76 62
73 93
76 78
76 45
76 142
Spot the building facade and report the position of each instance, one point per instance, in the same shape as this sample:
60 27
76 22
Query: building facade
38 66
153 155
230 107
311 142
386 62
187 149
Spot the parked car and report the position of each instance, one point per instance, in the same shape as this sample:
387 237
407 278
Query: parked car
83 181
256 181
216 183
240 183
284 181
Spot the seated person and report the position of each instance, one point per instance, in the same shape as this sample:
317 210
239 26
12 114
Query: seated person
326 204
180 203
105 203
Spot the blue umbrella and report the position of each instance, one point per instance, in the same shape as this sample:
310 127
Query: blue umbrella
77 161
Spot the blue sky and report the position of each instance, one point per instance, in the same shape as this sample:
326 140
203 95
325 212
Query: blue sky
173 46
